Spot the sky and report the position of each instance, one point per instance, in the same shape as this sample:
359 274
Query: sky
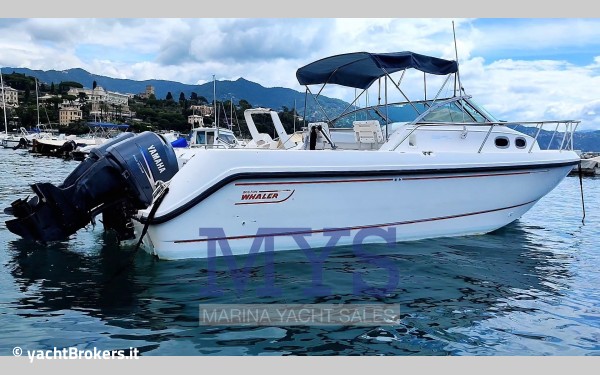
523 69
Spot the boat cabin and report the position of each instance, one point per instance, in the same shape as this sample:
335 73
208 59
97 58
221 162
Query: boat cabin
212 138
383 117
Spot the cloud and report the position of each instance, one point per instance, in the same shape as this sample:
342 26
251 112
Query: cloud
520 69
247 40
535 37
535 90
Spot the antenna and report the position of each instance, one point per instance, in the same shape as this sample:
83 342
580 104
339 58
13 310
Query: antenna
457 65
231 113
215 109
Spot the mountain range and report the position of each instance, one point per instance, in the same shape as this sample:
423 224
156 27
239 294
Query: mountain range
256 94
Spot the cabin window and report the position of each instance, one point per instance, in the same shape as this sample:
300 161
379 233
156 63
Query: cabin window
210 137
200 138
502 142
520 142
229 138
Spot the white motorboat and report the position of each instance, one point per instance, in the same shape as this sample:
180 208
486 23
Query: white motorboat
100 132
447 169
63 145
205 137
74 146
451 170
24 139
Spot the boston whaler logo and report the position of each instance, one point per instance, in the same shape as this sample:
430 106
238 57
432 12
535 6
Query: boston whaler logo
265 196
157 160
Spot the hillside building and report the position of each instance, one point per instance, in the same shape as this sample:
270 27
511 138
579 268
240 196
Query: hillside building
105 104
202 110
68 115
149 91
11 95
196 121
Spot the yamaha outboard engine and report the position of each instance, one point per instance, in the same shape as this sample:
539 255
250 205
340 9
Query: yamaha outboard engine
116 179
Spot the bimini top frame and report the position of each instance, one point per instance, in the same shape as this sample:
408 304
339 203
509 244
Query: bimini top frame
360 70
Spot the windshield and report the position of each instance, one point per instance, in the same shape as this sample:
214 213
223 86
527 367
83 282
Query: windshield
454 111
229 138
483 111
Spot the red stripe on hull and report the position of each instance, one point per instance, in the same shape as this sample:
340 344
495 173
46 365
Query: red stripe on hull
357 227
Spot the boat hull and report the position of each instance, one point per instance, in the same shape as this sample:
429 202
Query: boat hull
11 142
393 206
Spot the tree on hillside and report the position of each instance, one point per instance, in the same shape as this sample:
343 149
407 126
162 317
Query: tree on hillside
244 105
64 87
52 89
194 97
19 81
182 102
70 98
169 96
27 95
94 85
55 101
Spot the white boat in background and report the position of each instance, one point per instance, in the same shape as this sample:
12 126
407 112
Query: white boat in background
395 171
74 146
63 145
24 139
204 137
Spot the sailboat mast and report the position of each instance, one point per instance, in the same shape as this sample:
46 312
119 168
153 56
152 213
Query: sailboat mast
225 114
4 104
37 103
294 115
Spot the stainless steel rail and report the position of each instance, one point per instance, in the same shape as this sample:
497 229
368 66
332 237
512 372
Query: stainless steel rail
566 144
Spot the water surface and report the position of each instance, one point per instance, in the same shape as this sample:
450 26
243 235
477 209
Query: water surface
531 288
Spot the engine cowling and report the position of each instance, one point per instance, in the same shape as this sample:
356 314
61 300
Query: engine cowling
116 179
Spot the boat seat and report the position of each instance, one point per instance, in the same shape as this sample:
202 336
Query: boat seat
263 140
368 132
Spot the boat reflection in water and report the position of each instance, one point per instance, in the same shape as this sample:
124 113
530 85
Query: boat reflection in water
450 291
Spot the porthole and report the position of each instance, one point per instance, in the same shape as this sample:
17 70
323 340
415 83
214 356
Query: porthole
520 142
502 142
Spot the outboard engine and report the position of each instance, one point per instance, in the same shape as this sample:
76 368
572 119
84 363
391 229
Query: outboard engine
116 179
66 149
23 143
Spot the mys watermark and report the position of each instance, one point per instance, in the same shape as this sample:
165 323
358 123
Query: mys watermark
218 246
